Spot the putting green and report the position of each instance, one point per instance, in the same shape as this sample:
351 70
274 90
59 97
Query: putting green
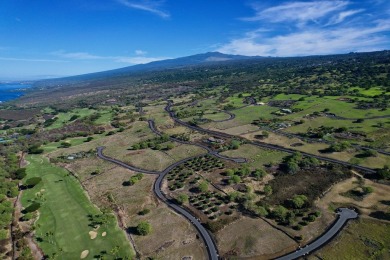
63 225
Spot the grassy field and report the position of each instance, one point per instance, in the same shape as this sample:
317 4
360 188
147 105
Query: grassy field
361 239
63 118
256 156
253 238
64 212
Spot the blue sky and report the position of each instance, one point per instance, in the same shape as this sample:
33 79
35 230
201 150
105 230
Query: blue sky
47 38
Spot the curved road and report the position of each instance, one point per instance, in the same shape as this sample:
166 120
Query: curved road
209 150
261 144
344 215
207 239
311 140
231 117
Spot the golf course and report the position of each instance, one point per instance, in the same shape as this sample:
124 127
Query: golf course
69 226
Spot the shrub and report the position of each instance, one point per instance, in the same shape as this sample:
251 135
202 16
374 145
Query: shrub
144 228
32 207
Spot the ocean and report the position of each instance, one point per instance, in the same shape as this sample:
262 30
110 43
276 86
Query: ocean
12 91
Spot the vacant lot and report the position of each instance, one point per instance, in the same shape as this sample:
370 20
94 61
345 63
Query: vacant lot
172 237
248 237
256 156
361 239
64 214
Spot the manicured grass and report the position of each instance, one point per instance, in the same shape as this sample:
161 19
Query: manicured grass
235 101
63 118
105 118
246 115
361 239
256 156
338 107
371 91
217 116
288 97
64 211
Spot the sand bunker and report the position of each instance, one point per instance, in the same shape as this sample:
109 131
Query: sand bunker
84 254
92 234
104 234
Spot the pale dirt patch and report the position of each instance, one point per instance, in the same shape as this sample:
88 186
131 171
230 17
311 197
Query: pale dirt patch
104 234
84 254
92 234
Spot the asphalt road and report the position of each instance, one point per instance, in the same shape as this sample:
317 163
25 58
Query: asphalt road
209 150
344 214
206 237
263 145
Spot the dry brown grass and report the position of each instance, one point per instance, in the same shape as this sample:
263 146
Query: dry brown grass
240 130
250 237
370 202
178 242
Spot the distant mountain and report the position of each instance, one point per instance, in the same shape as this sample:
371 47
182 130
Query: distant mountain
198 59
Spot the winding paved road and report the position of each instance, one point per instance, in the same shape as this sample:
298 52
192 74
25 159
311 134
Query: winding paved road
209 150
344 215
263 145
204 234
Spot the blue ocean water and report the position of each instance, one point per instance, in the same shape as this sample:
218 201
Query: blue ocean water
12 91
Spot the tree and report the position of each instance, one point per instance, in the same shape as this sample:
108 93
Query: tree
170 146
261 211
19 174
144 228
280 213
234 179
136 147
267 190
66 144
292 167
384 173
182 198
259 174
368 189
35 149
299 201
203 186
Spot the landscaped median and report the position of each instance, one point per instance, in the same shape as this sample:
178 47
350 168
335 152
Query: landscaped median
68 224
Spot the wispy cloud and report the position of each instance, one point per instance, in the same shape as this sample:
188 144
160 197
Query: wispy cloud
140 57
301 12
76 55
316 27
153 7
140 52
342 16
30 60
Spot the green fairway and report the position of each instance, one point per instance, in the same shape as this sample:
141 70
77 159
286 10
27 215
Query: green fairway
63 118
64 214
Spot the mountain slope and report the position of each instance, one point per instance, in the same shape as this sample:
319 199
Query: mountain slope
205 58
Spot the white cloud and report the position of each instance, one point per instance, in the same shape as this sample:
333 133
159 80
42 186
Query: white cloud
76 55
342 16
316 27
146 5
139 59
312 41
140 52
301 12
